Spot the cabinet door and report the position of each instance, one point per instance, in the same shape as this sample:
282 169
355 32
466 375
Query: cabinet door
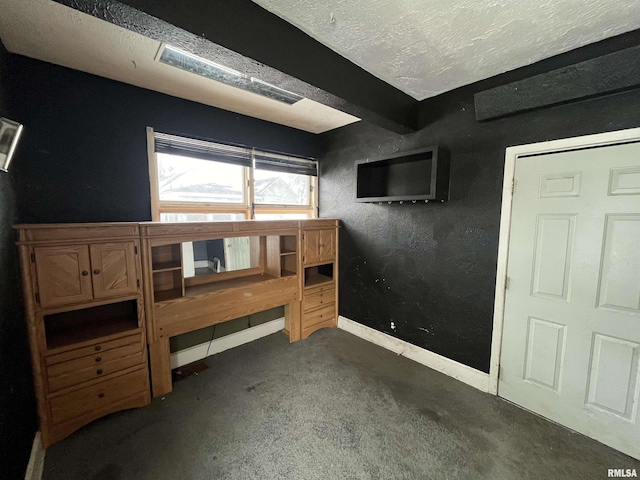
327 245
114 269
311 247
63 275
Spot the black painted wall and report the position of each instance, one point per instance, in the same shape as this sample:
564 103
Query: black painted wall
17 403
83 158
83 155
431 268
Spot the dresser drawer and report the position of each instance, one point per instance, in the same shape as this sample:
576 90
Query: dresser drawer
326 289
319 298
85 400
97 347
74 372
324 314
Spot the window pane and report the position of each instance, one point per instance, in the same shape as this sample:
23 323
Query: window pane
281 216
277 188
200 217
184 179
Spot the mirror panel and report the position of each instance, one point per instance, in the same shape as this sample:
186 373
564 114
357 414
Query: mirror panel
207 257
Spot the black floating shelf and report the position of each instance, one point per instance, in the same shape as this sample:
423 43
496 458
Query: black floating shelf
415 175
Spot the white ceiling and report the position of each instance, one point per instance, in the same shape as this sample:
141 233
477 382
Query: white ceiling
52 32
427 47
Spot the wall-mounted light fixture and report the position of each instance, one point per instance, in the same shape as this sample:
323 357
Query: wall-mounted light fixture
9 134
189 62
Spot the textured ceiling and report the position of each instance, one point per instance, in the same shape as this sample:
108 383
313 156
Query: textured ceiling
426 47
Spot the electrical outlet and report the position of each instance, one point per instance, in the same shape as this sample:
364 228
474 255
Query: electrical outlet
393 326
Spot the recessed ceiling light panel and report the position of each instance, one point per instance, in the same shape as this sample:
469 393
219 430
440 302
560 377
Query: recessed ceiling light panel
205 68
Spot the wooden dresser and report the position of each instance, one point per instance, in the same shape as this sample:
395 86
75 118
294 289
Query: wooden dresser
85 318
96 295
319 293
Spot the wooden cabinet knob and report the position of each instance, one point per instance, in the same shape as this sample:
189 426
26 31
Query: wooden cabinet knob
96 271
98 348
85 273
98 359
101 395
99 372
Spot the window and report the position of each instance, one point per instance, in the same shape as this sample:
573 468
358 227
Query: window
201 181
279 188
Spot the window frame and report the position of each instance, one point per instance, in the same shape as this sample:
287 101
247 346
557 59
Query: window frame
249 208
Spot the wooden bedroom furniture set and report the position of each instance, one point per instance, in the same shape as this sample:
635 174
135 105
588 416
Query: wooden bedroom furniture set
103 299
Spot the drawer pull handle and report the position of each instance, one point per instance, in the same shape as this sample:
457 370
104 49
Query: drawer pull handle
98 359
99 372
98 348
96 271
101 395
85 273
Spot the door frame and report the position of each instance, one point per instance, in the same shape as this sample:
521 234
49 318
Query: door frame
511 155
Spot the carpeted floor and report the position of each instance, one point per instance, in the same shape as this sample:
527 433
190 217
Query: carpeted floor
330 407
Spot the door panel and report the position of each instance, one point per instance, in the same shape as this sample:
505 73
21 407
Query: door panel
327 245
545 353
311 247
552 258
113 269
571 334
619 285
63 275
624 181
613 376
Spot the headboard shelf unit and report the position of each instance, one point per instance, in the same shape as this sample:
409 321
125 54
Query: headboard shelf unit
206 273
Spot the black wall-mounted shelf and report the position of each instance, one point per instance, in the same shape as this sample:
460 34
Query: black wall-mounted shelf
415 175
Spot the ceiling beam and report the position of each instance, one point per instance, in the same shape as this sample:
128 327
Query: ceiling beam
242 35
604 75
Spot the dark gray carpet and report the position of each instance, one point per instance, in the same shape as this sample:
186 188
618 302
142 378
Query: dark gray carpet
330 407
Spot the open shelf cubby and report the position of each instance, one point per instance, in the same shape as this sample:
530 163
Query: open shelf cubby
288 265
167 285
318 275
85 324
166 257
421 174
288 244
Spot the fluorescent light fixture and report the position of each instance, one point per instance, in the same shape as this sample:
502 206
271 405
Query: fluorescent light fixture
205 68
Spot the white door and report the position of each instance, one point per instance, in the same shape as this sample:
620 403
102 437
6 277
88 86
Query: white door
571 334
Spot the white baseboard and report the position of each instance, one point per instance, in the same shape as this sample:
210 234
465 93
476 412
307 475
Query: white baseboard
468 375
36 460
198 352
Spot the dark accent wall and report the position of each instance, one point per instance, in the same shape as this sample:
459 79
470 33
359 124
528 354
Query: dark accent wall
17 403
431 268
83 158
83 155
